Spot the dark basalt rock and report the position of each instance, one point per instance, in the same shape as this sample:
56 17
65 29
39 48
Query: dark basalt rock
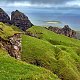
66 30
17 18
20 20
4 17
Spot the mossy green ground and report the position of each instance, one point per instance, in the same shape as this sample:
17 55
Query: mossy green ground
57 53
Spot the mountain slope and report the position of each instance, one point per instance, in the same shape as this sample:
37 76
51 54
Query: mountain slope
13 69
58 54
55 39
55 52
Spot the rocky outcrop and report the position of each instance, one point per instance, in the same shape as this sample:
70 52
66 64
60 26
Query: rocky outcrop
4 16
66 30
20 20
12 45
17 18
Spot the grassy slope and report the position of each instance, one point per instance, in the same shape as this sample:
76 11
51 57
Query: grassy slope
7 31
57 53
12 69
55 39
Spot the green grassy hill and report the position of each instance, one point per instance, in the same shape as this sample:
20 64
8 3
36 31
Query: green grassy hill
57 53
12 69
45 56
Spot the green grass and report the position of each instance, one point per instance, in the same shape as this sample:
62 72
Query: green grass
16 28
52 37
12 69
47 55
57 53
7 31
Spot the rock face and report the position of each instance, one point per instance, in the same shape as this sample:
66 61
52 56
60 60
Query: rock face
20 20
15 42
13 45
66 30
4 16
17 18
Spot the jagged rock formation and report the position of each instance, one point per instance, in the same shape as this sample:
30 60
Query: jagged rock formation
17 18
66 30
4 16
20 20
12 45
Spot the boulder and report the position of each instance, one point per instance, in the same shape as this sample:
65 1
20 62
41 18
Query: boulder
20 20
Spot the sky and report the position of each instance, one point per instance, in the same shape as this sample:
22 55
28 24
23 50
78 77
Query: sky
66 8
41 3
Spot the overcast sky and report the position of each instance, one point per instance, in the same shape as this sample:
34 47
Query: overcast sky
41 3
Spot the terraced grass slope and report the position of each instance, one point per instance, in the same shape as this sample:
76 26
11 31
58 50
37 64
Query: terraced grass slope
57 53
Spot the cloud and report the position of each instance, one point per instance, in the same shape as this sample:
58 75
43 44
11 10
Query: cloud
39 1
73 3
28 4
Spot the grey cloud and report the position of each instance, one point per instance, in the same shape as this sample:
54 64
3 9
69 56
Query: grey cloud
49 1
41 1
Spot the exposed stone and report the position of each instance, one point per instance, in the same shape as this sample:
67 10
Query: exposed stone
4 16
20 20
66 30
13 45
15 42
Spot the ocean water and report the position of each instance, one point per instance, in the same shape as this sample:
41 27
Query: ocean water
66 19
